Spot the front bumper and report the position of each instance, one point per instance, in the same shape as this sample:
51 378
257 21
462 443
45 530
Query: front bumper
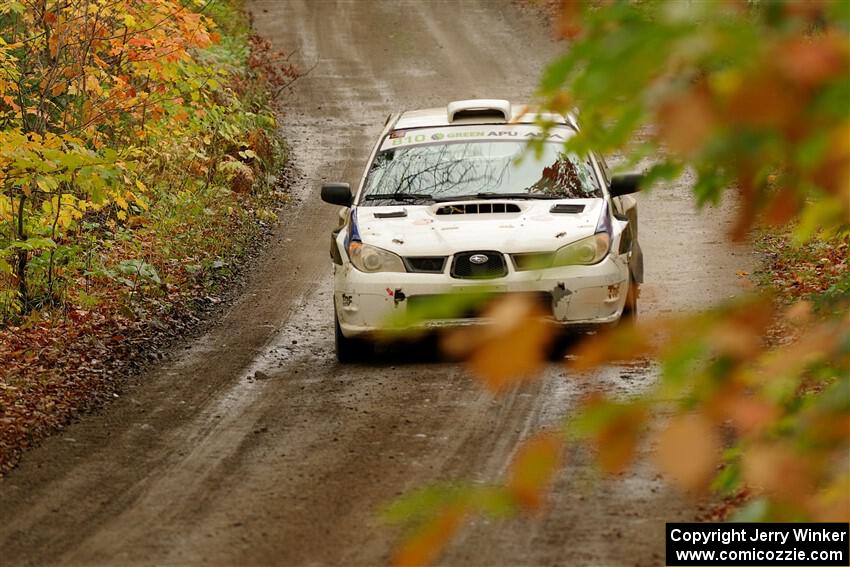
579 295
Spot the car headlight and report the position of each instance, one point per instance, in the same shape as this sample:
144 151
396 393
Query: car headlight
590 250
368 258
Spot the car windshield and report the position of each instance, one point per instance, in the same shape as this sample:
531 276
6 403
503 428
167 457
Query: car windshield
478 169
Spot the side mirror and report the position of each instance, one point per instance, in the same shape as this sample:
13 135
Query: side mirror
337 194
625 184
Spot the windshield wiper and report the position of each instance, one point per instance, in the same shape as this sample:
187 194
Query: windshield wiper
399 197
492 195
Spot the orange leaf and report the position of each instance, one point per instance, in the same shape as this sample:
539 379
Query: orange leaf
735 340
515 346
622 343
568 22
53 45
764 100
561 102
799 313
833 173
686 121
688 451
747 205
792 359
782 207
812 59
748 413
776 470
616 443
11 102
423 547
533 468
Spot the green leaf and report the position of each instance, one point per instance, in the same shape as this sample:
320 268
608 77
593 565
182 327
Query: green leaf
32 244
139 268
47 184
424 502
756 511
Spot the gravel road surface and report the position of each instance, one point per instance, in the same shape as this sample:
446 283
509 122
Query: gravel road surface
251 446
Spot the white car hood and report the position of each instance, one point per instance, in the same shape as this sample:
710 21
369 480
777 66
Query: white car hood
423 232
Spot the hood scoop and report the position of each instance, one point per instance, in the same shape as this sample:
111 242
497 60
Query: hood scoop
391 214
479 209
566 208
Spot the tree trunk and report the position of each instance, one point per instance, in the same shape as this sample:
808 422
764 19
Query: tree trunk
23 258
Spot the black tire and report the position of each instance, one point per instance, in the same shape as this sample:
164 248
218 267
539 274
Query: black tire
349 350
562 341
630 309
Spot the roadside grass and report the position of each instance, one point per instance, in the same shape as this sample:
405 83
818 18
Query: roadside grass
127 278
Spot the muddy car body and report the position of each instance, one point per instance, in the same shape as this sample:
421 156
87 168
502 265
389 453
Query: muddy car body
454 199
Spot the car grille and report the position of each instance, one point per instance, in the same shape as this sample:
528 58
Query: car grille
425 264
493 266
532 261
478 209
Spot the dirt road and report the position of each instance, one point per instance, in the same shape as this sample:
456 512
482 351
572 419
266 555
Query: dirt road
202 463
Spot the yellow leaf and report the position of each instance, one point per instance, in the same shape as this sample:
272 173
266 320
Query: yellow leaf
93 84
141 202
136 221
66 217
830 503
726 82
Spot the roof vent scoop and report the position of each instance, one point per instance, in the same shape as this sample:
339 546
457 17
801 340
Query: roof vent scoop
485 108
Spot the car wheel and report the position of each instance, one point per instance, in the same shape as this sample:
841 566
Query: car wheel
349 349
562 341
630 309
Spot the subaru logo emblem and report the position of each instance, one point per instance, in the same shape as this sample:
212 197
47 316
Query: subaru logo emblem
478 258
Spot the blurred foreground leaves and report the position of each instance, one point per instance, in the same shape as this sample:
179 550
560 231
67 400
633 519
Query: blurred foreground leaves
751 96
753 396
731 412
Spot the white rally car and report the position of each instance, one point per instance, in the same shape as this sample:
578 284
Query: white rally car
453 197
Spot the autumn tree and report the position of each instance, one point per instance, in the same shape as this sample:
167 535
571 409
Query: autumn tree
138 159
85 86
